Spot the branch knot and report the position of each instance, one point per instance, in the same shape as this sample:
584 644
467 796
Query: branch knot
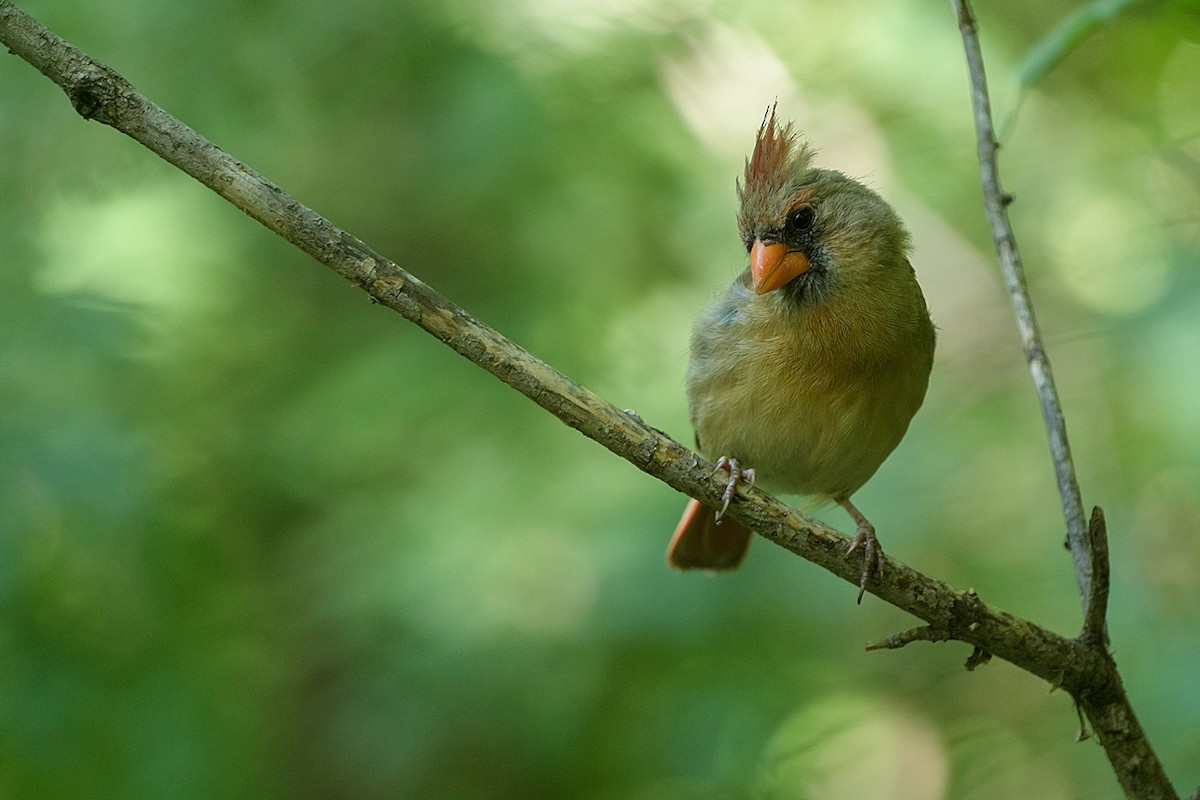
94 91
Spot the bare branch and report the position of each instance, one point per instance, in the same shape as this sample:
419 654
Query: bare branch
1133 760
996 202
99 93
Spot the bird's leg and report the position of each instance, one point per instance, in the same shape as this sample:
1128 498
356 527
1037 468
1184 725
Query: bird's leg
736 475
864 535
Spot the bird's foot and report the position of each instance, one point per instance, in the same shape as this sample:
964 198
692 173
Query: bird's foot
736 475
864 535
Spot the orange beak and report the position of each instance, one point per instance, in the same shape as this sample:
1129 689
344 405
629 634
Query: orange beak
773 265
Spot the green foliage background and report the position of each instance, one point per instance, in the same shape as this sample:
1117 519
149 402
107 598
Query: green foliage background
260 538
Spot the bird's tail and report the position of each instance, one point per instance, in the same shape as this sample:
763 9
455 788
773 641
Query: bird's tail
700 542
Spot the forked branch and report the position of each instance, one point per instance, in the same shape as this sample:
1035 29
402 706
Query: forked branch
1133 760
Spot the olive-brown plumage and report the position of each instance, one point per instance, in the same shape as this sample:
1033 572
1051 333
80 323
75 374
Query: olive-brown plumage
811 366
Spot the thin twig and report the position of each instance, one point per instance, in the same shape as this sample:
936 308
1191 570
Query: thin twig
1083 734
1134 761
977 659
921 633
996 202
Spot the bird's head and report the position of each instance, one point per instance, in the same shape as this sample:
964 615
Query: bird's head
812 232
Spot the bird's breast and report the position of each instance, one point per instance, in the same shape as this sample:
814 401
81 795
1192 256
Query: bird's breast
813 402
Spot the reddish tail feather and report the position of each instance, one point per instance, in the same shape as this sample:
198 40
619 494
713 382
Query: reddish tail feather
701 543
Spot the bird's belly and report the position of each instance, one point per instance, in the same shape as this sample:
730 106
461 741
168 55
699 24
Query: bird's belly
805 431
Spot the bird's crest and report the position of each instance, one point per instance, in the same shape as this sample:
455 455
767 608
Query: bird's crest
775 170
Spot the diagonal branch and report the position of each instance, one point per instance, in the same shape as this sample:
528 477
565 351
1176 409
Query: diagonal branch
99 93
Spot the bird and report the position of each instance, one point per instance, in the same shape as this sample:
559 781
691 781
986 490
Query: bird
805 374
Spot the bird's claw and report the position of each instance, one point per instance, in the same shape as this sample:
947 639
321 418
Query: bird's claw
872 554
736 475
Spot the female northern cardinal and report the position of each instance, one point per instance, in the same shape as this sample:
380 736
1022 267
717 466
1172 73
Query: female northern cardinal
809 369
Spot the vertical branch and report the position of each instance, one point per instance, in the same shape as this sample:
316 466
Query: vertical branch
1094 617
1134 762
996 202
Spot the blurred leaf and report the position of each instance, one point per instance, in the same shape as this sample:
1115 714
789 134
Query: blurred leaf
1068 34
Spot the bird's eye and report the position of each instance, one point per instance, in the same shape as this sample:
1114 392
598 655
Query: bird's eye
801 219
